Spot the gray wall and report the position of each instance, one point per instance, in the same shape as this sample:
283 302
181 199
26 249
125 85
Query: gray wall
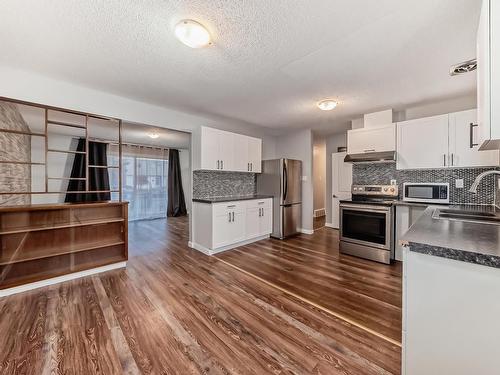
299 145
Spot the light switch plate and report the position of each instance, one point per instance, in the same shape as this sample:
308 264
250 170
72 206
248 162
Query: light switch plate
459 183
304 178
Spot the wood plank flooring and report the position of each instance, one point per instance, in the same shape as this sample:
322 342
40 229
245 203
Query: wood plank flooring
362 291
177 311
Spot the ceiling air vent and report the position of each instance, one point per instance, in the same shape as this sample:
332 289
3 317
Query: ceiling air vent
465 67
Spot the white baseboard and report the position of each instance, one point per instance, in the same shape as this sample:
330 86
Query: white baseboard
330 225
306 231
60 279
207 251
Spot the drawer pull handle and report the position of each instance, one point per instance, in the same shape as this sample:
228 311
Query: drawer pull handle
232 206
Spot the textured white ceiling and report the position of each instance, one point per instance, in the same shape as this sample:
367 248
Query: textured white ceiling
270 61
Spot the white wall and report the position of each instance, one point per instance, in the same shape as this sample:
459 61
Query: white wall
32 87
332 143
298 145
319 173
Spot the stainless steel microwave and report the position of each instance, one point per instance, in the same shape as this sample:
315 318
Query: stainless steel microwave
426 192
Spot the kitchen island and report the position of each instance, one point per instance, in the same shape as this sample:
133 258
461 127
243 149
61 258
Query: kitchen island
451 304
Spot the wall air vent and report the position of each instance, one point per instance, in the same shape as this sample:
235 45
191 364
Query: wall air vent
465 67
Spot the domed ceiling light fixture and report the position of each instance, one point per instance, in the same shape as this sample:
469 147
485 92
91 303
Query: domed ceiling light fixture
327 104
153 134
193 34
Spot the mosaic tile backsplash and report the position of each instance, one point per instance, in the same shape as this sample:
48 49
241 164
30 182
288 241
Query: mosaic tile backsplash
212 184
382 174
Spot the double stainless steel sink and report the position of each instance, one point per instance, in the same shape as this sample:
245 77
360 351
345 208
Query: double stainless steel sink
470 215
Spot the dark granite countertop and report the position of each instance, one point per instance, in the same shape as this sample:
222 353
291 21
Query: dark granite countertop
471 242
230 199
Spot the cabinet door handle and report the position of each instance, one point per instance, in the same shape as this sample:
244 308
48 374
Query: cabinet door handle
233 216
248 167
251 167
229 216
259 212
452 162
262 212
222 164
471 135
371 150
444 160
218 164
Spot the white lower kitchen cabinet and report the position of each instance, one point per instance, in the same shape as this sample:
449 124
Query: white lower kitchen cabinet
451 313
222 226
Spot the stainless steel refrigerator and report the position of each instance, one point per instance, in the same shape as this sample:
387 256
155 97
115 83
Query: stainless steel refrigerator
282 178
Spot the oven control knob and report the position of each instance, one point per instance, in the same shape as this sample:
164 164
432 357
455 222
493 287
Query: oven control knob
385 189
392 190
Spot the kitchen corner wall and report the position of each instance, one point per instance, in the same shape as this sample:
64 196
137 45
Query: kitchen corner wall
382 174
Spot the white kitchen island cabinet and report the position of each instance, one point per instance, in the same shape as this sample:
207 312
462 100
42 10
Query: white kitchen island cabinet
222 226
451 316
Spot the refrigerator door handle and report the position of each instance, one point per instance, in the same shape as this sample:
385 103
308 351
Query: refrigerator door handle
285 181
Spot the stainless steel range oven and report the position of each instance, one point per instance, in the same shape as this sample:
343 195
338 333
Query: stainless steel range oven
367 223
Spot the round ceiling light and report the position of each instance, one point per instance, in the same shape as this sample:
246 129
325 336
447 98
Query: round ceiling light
193 34
153 134
327 104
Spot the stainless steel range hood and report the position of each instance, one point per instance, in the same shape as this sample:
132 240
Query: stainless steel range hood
372 157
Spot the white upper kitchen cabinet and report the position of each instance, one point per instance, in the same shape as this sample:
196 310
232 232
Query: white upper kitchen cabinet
488 75
423 143
376 139
210 149
464 143
226 151
216 149
255 154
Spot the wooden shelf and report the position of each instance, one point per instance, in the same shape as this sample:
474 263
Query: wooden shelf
20 132
19 162
66 124
67 178
41 253
60 226
66 151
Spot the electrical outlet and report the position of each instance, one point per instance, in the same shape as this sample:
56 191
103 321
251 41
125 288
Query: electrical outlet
459 183
394 182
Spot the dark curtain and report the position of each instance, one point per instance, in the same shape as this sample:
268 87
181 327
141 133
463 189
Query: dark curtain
176 205
98 177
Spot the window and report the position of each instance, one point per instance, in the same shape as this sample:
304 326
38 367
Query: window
144 181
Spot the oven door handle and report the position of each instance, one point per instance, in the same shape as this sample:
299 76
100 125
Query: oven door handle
366 208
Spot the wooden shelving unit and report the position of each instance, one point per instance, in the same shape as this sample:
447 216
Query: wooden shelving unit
44 241
66 119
